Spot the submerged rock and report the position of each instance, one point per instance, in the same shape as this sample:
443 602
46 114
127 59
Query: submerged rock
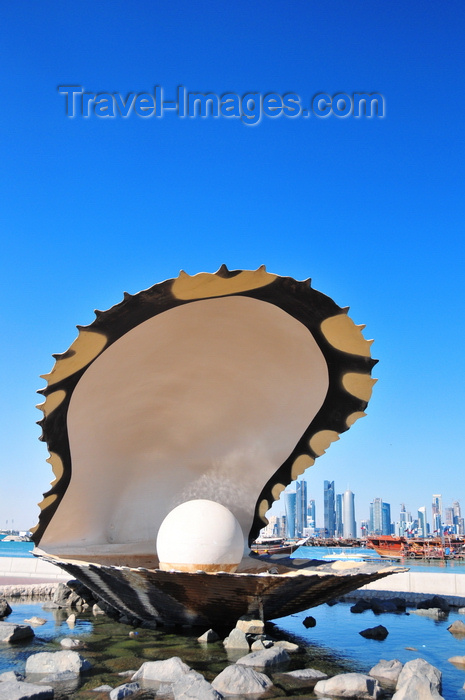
350 685
457 628
236 640
11 676
124 691
436 601
309 622
435 613
208 636
240 680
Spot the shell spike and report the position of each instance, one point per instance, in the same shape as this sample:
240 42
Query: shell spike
222 270
345 309
183 275
126 296
261 268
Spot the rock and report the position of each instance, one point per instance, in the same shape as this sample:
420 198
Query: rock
167 671
350 685
71 621
236 640
411 648
309 622
423 671
69 643
11 676
417 688
208 636
435 602
360 606
16 690
36 621
305 673
458 660
250 625
457 628
461 611
64 682
124 691
288 646
96 610
383 606
10 632
399 603
258 645
102 689
56 662
193 686
4 608
240 680
126 673
64 597
378 632
387 671
435 613
265 659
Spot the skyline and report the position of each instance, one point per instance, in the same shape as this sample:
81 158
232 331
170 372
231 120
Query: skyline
370 209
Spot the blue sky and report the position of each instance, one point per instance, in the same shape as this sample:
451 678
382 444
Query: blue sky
371 209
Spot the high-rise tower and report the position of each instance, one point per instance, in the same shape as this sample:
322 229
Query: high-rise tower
348 517
329 512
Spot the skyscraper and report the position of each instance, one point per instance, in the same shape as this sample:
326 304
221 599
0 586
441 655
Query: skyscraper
339 528
329 512
311 514
386 519
301 507
348 517
290 511
422 524
376 516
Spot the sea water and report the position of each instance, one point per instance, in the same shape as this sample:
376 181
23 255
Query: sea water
16 549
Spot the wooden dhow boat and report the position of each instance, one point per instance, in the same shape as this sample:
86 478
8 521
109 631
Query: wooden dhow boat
214 390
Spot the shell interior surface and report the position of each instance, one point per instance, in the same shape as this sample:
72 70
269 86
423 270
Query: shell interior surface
223 387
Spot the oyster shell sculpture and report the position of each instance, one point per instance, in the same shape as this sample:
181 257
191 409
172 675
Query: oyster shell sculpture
215 387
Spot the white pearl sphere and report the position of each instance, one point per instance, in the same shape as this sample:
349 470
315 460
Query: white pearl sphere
200 535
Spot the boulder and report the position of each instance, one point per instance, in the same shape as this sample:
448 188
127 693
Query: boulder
294 682
457 628
436 601
435 613
350 685
265 659
250 625
11 676
102 689
167 671
208 636
461 611
241 680
46 662
417 688
64 597
193 686
399 603
258 645
236 640
309 622
10 632
422 670
378 632
360 606
386 671
4 608
383 606
16 690
124 691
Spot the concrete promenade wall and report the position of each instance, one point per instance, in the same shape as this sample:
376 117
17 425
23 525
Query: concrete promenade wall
415 586
30 568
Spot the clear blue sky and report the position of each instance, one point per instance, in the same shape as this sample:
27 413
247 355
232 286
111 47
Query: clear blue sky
371 209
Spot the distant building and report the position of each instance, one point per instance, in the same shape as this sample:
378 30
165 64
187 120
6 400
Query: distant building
350 528
301 507
364 527
422 524
311 514
339 528
386 519
290 510
376 517
329 509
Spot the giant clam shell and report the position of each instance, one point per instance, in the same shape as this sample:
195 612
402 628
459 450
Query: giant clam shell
221 386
